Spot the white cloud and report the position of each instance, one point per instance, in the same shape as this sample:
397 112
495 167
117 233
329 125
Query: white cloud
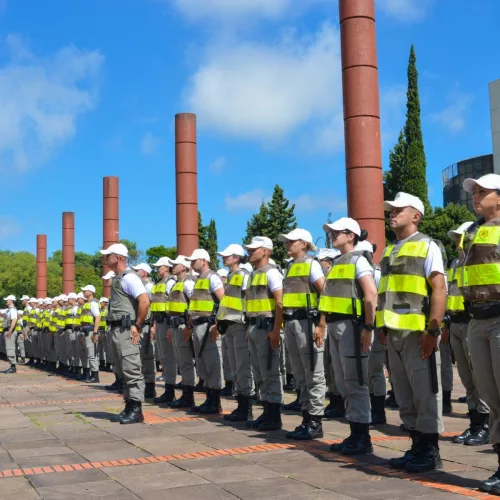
246 201
149 143
308 203
266 91
453 116
405 10
218 164
41 100
9 227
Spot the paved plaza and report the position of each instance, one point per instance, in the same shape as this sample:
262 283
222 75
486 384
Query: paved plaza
58 443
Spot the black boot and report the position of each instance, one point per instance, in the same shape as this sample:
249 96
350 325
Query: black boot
243 412
102 366
300 429
228 389
200 386
294 405
492 484
158 366
134 415
60 368
21 361
310 428
378 410
108 368
447 408
94 378
462 399
113 386
124 412
12 369
186 400
149 390
178 385
167 397
76 372
88 376
290 382
214 406
254 424
428 457
31 362
481 434
83 374
360 442
391 402
273 423
198 408
120 386
411 454
336 408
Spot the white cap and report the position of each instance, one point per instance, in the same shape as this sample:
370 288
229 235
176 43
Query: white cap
459 230
488 181
299 234
260 242
108 275
72 295
10 297
103 299
117 249
232 250
180 259
56 298
63 297
143 267
32 300
40 301
248 267
222 272
403 200
364 246
80 296
342 224
25 297
199 253
163 261
328 253
19 312
47 301
88 288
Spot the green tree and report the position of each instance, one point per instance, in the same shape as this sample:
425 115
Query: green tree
88 275
211 247
258 225
17 273
155 253
328 243
54 279
202 232
135 256
393 178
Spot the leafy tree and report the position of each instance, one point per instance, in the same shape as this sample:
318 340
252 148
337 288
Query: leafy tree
258 224
202 232
135 256
328 243
211 247
155 253
54 279
87 275
17 273
394 176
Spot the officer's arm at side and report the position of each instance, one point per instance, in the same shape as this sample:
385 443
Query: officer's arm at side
142 307
370 294
438 299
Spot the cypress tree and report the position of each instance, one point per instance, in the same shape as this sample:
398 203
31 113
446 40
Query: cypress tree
394 177
212 245
257 225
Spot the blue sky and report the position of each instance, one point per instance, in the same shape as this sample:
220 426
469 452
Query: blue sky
90 88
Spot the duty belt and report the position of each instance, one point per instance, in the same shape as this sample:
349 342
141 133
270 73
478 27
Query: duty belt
201 321
484 310
459 317
176 321
300 314
261 322
333 317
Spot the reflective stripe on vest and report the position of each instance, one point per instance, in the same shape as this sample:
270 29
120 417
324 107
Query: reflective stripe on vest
455 300
87 318
202 303
297 286
260 301
232 305
159 297
177 302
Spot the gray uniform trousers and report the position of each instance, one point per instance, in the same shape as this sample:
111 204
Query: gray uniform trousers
310 380
419 408
331 384
460 346
147 351
184 356
484 346
21 339
35 351
168 362
57 345
10 346
377 381
51 346
342 351
81 345
75 341
128 363
209 365
284 359
226 367
91 359
446 367
109 346
239 358
101 347
28 347
267 381
68 352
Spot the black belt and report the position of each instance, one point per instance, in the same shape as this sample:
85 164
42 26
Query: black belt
459 317
176 321
115 323
201 321
484 310
300 314
261 321
333 317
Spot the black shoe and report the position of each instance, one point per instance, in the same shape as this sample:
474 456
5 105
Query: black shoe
411 454
294 405
167 397
124 412
52 368
228 389
492 484
186 400
290 383
197 408
462 399
481 433
360 442
475 423
149 390
108 368
428 457
300 429
447 408
113 386
88 376
77 372
178 385
160 379
158 367
391 402
21 361
200 386
213 406
254 424
310 428
94 378
83 374
243 412
336 408
31 362
60 368
273 422
378 410
102 366
12 369
134 415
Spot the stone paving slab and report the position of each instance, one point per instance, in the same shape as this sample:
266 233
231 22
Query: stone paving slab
57 441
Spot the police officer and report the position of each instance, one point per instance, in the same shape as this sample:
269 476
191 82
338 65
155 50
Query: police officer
264 302
105 363
128 308
178 335
30 326
412 299
10 333
479 282
232 326
347 308
207 294
165 350
90 321
227 390
70 333
80 344
22 340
